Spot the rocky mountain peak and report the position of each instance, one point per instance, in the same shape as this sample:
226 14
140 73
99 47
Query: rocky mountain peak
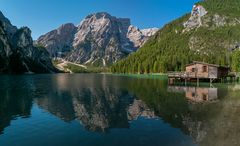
99 15
99 25
22 37
17 53
59 40
149 32
100 39
65 28
135 35
9 28
220 14
139 37
195 21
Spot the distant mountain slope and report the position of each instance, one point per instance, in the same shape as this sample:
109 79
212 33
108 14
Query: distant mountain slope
59 40
100 40
210 33
17 53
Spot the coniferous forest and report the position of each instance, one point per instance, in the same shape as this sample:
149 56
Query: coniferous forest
216 41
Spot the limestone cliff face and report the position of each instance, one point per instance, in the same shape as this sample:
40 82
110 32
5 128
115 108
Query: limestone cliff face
59 41
17 53
195 21
217 23
99 40
139 37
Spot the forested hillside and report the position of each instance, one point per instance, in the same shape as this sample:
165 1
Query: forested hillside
211 33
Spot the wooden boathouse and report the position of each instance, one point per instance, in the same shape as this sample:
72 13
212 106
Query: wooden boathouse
199 71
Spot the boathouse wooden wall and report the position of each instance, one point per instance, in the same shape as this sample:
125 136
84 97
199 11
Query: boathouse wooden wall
202 70
213 72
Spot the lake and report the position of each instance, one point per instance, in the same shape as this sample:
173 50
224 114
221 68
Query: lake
114 110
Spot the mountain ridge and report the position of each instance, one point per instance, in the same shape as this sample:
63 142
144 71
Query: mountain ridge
99 40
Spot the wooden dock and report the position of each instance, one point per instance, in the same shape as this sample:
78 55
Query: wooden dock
185 77
199 71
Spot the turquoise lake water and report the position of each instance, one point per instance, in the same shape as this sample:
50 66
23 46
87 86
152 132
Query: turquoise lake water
114 110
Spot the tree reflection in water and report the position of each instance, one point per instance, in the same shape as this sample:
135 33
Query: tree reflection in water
103 102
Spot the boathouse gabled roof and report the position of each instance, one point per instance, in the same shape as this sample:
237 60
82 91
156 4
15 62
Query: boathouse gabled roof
208 64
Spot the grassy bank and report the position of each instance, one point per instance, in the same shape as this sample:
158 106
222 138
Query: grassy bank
159 76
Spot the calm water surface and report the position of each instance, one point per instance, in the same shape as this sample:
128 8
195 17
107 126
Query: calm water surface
111 110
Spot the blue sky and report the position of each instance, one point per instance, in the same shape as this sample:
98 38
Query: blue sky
42 16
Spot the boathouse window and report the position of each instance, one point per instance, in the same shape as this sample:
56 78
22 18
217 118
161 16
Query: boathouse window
193 94
204 97
204 68
193 69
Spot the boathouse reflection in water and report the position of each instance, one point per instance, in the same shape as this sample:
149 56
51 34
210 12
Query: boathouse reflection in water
197 94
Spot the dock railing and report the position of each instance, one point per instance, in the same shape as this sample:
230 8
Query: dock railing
182 74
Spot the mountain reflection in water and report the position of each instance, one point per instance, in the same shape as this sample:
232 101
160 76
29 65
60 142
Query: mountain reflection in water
102 103
96 105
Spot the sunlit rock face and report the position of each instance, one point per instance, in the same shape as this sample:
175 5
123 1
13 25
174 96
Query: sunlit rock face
195 20
99 40
59 41
17 53
139 37
200 17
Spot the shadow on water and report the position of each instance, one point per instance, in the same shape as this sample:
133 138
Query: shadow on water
14 101
104 102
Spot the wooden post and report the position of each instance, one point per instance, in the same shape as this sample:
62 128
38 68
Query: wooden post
211 81
198 82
